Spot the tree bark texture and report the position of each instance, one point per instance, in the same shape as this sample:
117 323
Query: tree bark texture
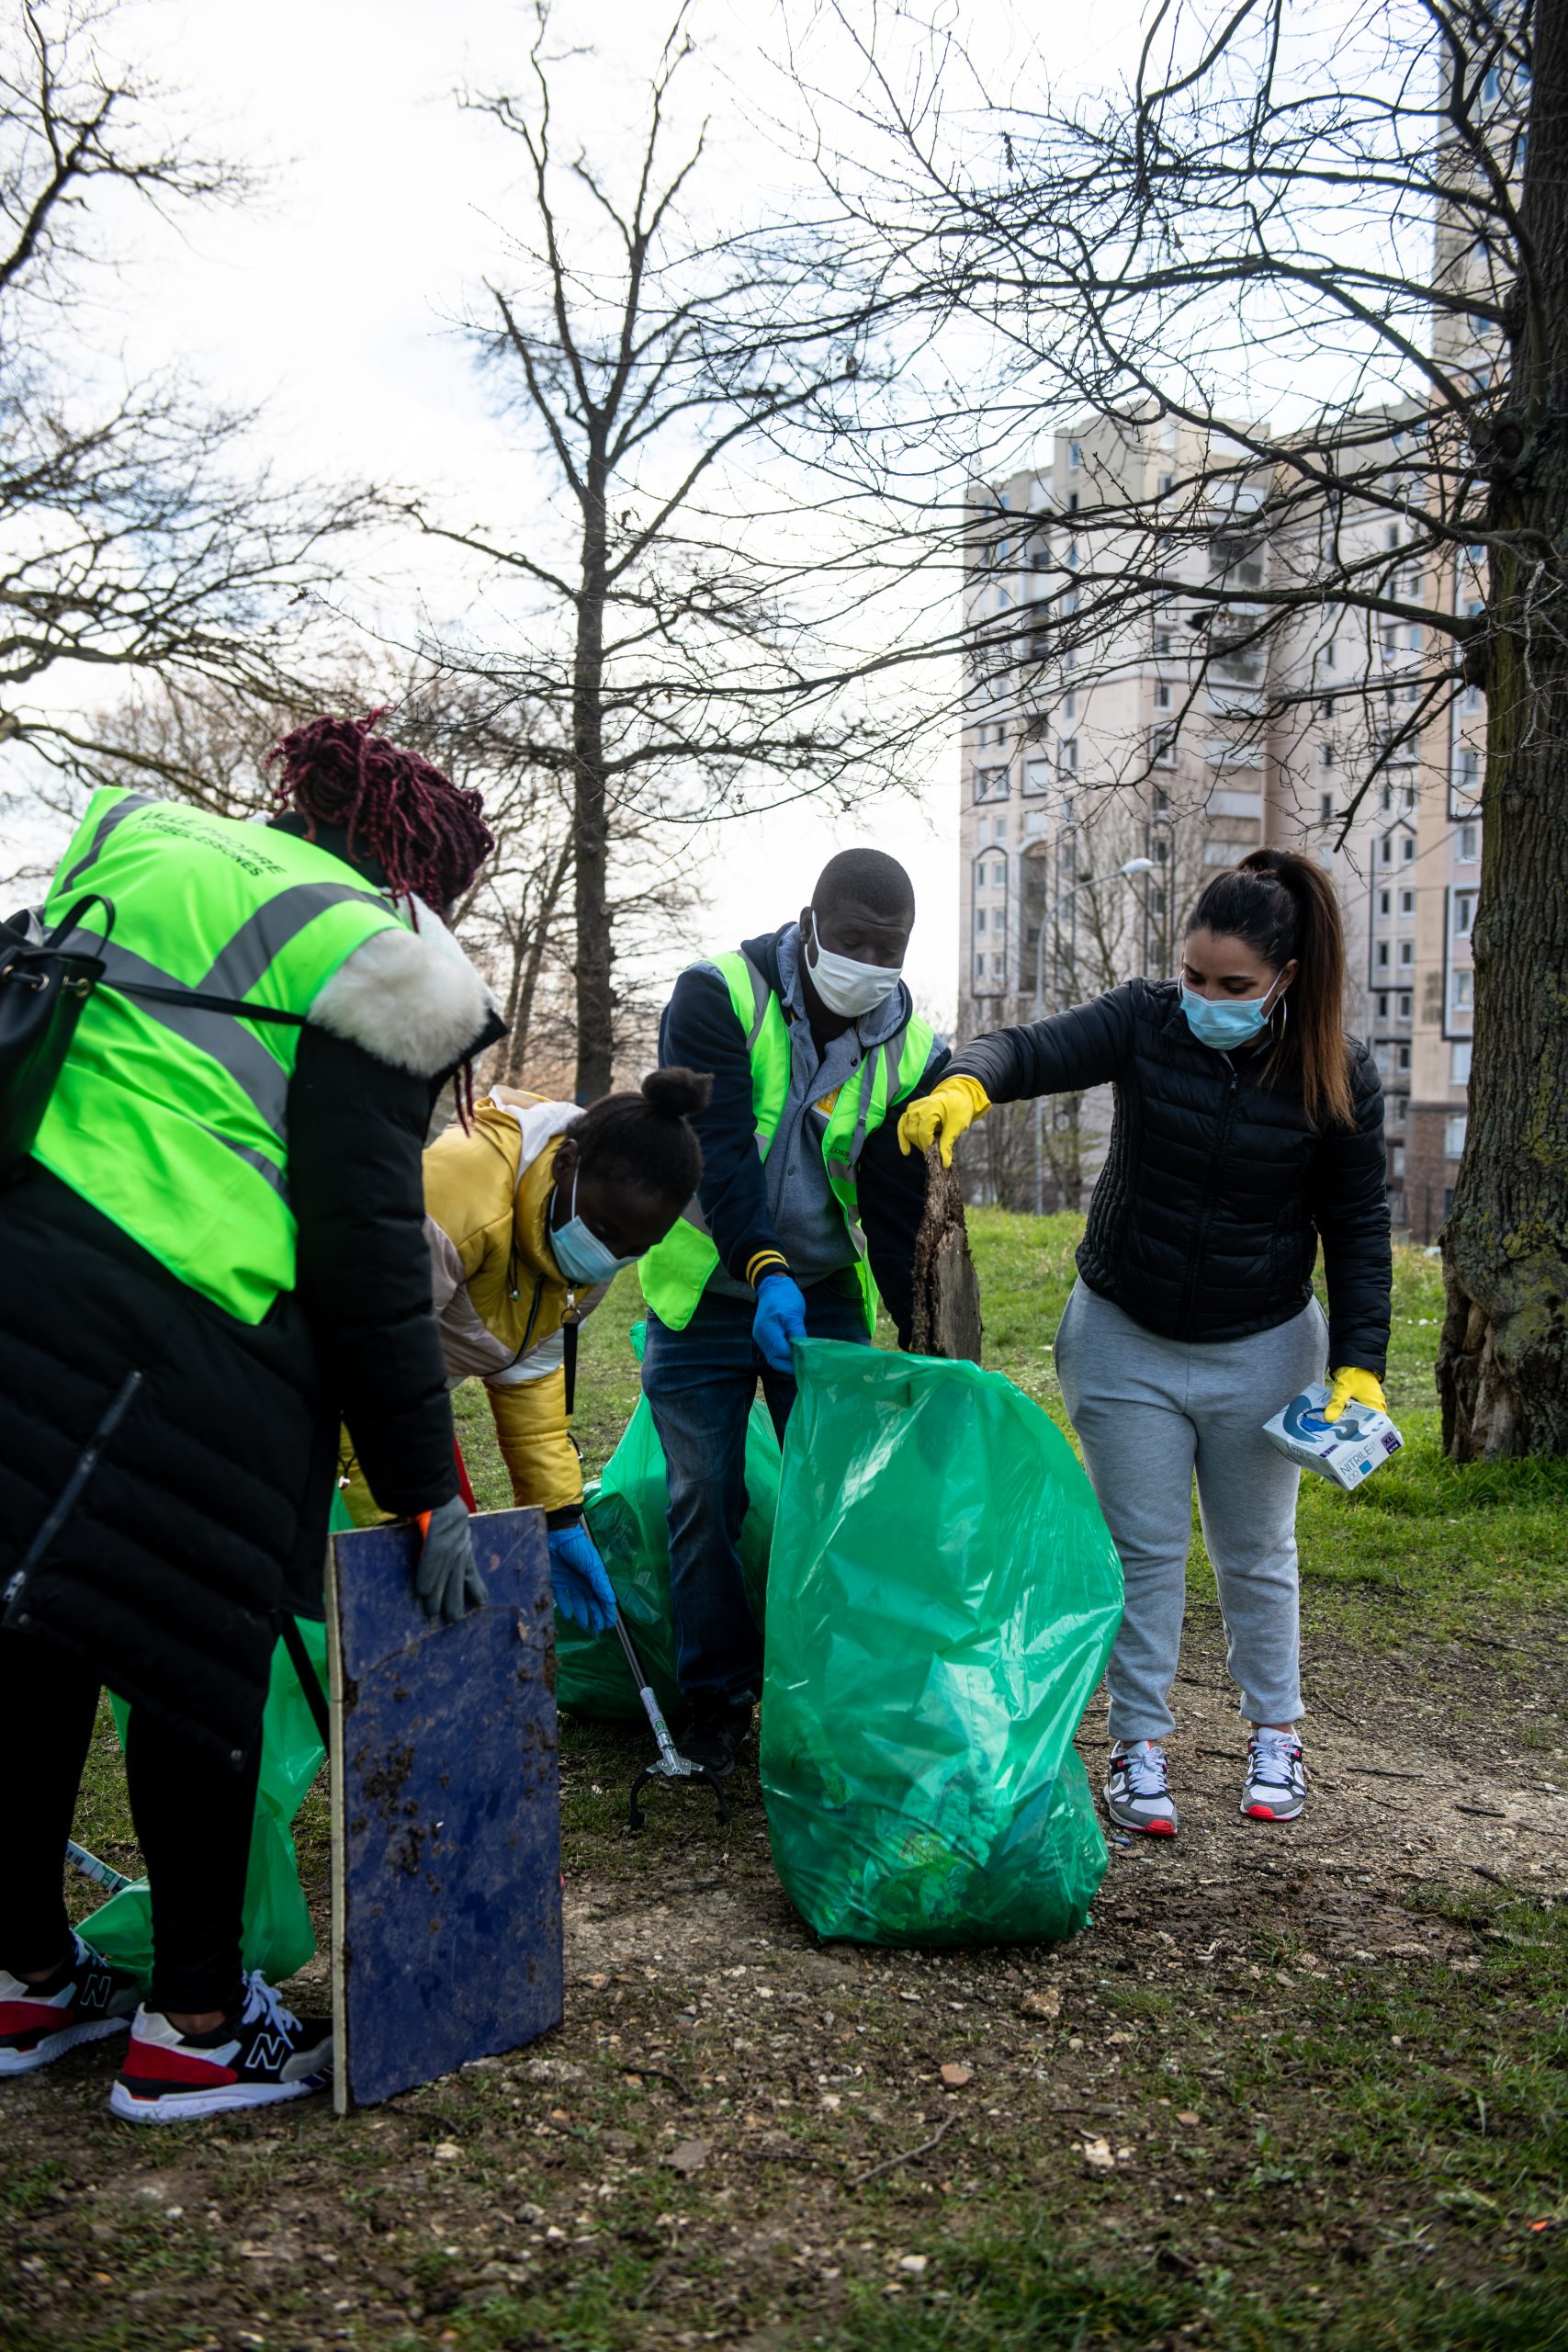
591 814
947 1288
1503 1364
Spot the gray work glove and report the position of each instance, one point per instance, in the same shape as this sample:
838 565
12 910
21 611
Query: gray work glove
446 1578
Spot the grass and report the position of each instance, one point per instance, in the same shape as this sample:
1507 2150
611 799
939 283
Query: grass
1329 2146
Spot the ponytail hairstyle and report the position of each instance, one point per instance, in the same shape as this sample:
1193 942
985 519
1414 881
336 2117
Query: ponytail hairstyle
1285 906
427 834
644 1141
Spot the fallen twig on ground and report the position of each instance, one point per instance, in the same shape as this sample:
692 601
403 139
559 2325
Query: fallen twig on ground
905 2155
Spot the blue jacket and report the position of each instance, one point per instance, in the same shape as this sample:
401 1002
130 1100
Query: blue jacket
780 1208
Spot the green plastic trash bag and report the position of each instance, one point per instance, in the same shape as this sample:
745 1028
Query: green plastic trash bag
626 1514
276 1936
943 1597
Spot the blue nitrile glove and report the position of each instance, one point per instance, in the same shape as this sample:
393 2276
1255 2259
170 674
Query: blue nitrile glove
581 1589
445 1576
779 1318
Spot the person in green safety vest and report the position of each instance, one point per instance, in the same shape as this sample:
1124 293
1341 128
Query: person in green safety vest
806 1211
217 1249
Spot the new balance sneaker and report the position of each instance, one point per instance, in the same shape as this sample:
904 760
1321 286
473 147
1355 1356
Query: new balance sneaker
261 2054
1137 1791
85 2000
1275 1788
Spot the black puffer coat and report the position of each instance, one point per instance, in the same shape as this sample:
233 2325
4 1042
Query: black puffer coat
1216 1190
203 1517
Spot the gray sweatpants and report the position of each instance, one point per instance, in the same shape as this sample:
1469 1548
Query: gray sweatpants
1149 1412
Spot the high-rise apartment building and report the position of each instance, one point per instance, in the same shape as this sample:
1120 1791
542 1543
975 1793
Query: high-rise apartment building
1105 771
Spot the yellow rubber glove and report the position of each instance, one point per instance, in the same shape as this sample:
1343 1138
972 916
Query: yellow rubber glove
1353 1388
952 1104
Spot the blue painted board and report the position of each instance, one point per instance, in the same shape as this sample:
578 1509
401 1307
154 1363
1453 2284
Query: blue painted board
445 1811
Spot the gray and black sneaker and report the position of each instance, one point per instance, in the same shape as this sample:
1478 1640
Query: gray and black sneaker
1275 1788
1137 1791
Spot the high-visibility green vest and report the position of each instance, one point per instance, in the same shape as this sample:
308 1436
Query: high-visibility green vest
170 1119
676 1271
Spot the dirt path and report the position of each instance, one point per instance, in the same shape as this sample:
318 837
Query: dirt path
737 2134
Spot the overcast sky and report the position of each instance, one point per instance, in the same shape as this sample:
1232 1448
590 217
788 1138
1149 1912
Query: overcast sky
328 298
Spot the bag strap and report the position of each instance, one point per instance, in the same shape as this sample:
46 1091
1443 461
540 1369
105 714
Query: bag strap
204 1003
315 1697
70 921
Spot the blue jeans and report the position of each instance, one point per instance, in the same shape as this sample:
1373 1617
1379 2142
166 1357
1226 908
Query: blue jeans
700 1385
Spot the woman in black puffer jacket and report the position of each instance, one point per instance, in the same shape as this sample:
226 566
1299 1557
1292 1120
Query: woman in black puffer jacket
1249 1130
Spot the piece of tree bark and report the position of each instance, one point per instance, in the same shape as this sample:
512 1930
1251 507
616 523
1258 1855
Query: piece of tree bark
947 1288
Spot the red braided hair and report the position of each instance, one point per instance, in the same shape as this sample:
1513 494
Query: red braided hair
428 834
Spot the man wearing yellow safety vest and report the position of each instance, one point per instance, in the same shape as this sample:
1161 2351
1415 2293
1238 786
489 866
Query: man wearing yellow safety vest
214 1250
806 1211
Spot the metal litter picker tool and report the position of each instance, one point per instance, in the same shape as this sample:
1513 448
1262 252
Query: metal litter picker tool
670 1765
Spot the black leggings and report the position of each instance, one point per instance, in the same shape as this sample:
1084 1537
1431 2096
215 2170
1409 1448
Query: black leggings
193 1820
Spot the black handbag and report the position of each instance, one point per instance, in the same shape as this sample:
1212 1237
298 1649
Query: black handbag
44 983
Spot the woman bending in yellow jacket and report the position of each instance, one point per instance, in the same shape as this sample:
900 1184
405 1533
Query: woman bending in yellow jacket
529 1217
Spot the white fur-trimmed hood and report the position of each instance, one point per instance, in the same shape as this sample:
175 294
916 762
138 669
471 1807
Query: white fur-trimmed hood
412 997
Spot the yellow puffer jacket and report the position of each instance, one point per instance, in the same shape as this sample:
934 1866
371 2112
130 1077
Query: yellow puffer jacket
500 1298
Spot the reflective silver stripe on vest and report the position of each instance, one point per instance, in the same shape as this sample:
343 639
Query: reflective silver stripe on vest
106 823
892 1053
262 1080
264 935
268 1169
761 996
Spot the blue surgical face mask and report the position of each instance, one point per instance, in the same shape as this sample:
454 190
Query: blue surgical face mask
1224 1022
578 1252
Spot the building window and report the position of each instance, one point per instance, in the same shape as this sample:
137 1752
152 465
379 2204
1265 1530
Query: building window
1464 913
1070 707
1456 1126
990 784
1162 800
1075 453
1398 1110
1167 484
1162 697
1385 849
1407 950
1325 755
1462 991
1385 902
1459 1062
1468 844
1405 1007
1397 1161
1331 655
1162 748
1407 902
1382 954
1036 776
1383 1006
1401 1055
1068 756
979 920
1467 770
1408 849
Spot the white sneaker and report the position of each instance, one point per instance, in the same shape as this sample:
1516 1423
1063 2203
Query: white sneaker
1275 1788
1138 1791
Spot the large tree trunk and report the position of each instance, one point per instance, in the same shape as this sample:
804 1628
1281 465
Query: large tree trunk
591 814
1503 1367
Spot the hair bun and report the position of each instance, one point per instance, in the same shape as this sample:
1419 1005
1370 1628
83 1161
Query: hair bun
676 1094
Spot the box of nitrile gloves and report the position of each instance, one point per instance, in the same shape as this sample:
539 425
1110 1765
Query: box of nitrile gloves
1347 1450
